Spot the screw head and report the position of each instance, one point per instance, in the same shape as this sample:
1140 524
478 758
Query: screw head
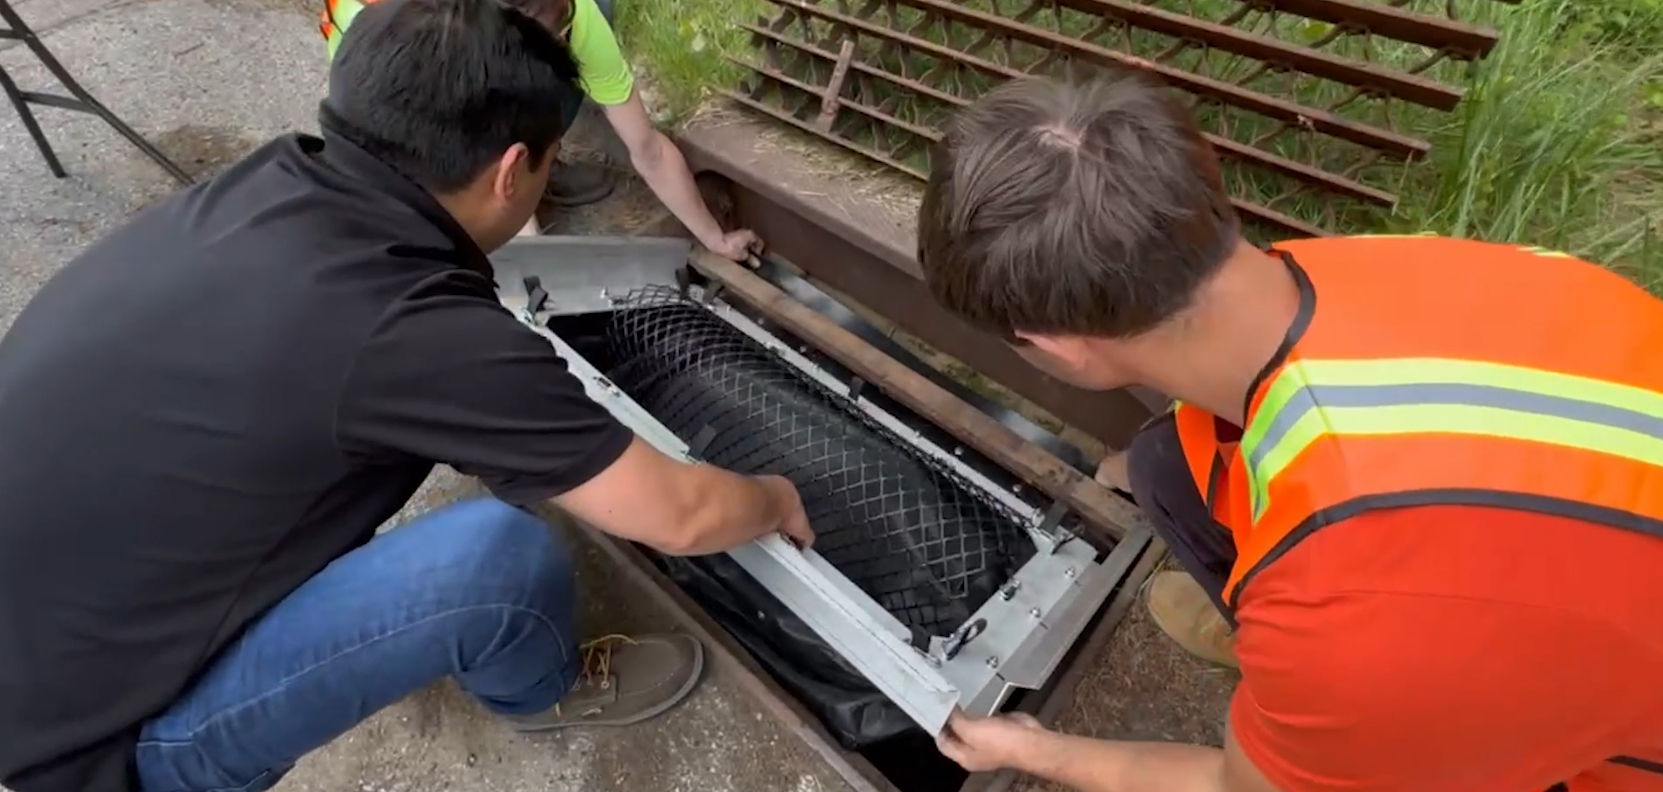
993 662
1068 573
1034 612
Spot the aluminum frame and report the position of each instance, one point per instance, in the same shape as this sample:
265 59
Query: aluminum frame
1015 640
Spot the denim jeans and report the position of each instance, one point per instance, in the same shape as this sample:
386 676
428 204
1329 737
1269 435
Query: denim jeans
481 591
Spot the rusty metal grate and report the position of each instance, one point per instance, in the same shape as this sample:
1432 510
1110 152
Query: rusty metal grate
1304 100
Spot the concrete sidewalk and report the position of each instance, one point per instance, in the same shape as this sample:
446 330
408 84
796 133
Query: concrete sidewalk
209 80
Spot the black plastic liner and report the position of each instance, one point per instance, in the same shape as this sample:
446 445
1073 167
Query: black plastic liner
921 542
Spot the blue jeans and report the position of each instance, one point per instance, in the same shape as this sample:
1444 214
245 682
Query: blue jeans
481 591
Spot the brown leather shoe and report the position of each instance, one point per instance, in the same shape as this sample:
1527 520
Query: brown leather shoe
1187 615
625 680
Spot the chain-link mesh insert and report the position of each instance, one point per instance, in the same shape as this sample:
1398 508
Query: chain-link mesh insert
907 531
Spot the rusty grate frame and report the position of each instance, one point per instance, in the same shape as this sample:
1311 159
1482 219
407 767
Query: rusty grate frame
1303 100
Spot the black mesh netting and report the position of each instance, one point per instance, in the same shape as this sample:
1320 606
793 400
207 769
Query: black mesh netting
902 528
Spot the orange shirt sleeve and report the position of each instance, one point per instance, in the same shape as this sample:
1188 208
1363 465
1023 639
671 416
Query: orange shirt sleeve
1354 684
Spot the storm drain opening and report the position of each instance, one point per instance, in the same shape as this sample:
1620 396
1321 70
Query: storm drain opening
937 579
916 537
906 531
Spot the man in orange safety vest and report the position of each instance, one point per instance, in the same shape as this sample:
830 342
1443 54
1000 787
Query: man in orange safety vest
1416 482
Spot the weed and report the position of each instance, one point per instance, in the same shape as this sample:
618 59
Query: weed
1557 142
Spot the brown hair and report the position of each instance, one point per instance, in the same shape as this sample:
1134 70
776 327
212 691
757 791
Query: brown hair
1083 206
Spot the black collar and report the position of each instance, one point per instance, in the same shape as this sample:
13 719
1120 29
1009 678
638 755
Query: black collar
1296 329
339 152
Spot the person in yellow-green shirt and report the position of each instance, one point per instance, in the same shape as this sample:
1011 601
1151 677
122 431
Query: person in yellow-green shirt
605 78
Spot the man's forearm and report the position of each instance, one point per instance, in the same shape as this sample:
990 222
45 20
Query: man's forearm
1111 766
725 510
665 170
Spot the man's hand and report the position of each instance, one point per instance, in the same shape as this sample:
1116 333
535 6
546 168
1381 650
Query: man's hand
983 745
736 245
1111 472
793 523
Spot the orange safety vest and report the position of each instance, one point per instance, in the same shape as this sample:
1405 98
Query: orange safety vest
1428 371
332 11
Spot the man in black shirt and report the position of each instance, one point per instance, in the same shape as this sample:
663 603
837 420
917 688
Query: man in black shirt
204 418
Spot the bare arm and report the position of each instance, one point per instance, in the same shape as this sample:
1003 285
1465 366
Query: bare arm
665 170
685 509
1090 765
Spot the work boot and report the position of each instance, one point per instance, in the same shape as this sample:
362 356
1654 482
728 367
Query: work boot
625 680
574 183
1187 615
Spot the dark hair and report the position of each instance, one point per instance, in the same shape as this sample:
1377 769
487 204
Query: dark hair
554 14
1083 206
441 88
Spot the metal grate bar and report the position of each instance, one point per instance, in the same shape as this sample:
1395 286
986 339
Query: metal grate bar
1302 99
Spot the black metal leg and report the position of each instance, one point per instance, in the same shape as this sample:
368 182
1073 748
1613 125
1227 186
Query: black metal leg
132 136
14 28
29 123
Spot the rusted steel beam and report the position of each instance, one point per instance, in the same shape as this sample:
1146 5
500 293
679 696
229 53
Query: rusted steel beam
1319 63
1261 214
1109 514
1255 212
1326 122
869 255
1283 110
826 94
805 126
1232 149
1439 33
834 86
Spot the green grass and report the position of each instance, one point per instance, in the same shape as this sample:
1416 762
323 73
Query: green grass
1558 142
680 43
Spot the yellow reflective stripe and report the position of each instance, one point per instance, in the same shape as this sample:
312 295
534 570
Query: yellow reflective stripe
341 14
1415 371
1311 399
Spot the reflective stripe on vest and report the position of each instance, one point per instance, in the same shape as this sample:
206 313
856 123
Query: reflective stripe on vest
1423 371
1313 399
1389 392
336 17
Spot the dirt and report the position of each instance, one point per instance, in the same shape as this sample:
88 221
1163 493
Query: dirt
202 150
1145 688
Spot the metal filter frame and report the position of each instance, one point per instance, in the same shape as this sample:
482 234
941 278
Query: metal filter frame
1014 641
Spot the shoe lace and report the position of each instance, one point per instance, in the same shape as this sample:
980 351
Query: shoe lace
597 662
597 659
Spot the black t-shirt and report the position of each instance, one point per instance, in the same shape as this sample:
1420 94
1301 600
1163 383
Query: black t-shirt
208 406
